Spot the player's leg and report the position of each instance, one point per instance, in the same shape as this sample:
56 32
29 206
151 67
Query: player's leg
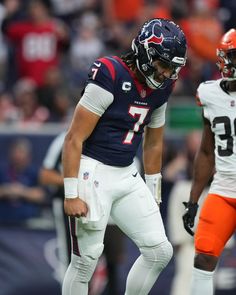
139 217
87 236
87 246
215 227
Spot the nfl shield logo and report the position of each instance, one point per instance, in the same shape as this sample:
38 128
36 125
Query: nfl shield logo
232 103
85 175
143 93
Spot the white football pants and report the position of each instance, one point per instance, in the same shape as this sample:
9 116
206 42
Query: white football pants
121 193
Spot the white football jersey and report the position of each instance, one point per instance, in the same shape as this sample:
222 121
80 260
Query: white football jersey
219 108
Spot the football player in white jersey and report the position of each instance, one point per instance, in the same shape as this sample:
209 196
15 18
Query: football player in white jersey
216 157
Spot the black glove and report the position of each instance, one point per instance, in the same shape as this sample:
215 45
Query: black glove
189 216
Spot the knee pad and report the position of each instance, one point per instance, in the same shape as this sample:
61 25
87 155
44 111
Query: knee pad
85 264
149 239
160 254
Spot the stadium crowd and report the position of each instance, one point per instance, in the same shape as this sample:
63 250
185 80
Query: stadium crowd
46 49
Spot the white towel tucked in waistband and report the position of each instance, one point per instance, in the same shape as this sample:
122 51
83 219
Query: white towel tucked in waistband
88 190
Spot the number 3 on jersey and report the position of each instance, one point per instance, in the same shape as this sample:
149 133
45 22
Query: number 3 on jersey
139 112
227 136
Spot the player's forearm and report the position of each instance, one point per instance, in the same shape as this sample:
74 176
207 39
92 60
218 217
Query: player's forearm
71 156
202 172
152 159
152 150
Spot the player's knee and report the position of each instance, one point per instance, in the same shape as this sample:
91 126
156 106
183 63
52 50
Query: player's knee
85 264
205 262
160 254
149 239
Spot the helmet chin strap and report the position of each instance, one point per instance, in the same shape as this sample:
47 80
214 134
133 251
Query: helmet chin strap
150 81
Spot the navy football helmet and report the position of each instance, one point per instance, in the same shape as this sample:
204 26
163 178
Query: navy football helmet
159 39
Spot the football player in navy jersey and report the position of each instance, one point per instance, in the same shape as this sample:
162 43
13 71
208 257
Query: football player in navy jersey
124 101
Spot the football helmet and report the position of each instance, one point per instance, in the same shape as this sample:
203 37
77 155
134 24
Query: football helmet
226 52
159 39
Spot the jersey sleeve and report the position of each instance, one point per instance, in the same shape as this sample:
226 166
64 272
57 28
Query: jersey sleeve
96 99
200 94
102 73
201 101
158 117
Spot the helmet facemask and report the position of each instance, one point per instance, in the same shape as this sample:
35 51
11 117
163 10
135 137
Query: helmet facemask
227 64
226 53
145 67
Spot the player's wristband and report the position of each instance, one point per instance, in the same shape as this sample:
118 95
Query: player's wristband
153 182
71 187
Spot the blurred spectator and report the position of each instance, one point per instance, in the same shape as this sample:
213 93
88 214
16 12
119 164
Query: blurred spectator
24 230
86 46
69 9
65 7
54 95
121 11
120 17
53 80
20 195
160 8
37 40
29 111
3 46
203 28
8 111
61 109
180 166
227 13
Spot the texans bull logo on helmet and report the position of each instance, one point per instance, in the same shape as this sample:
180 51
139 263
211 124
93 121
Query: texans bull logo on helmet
149 36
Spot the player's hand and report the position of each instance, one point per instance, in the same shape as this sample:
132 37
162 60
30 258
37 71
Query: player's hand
75 207
189 216
153 182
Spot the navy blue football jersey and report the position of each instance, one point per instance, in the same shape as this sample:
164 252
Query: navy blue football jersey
117 136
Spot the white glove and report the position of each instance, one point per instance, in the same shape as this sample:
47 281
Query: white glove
153 182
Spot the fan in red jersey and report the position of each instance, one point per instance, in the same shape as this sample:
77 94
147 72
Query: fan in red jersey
36 40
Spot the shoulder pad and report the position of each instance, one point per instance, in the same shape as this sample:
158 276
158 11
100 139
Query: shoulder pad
103 73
